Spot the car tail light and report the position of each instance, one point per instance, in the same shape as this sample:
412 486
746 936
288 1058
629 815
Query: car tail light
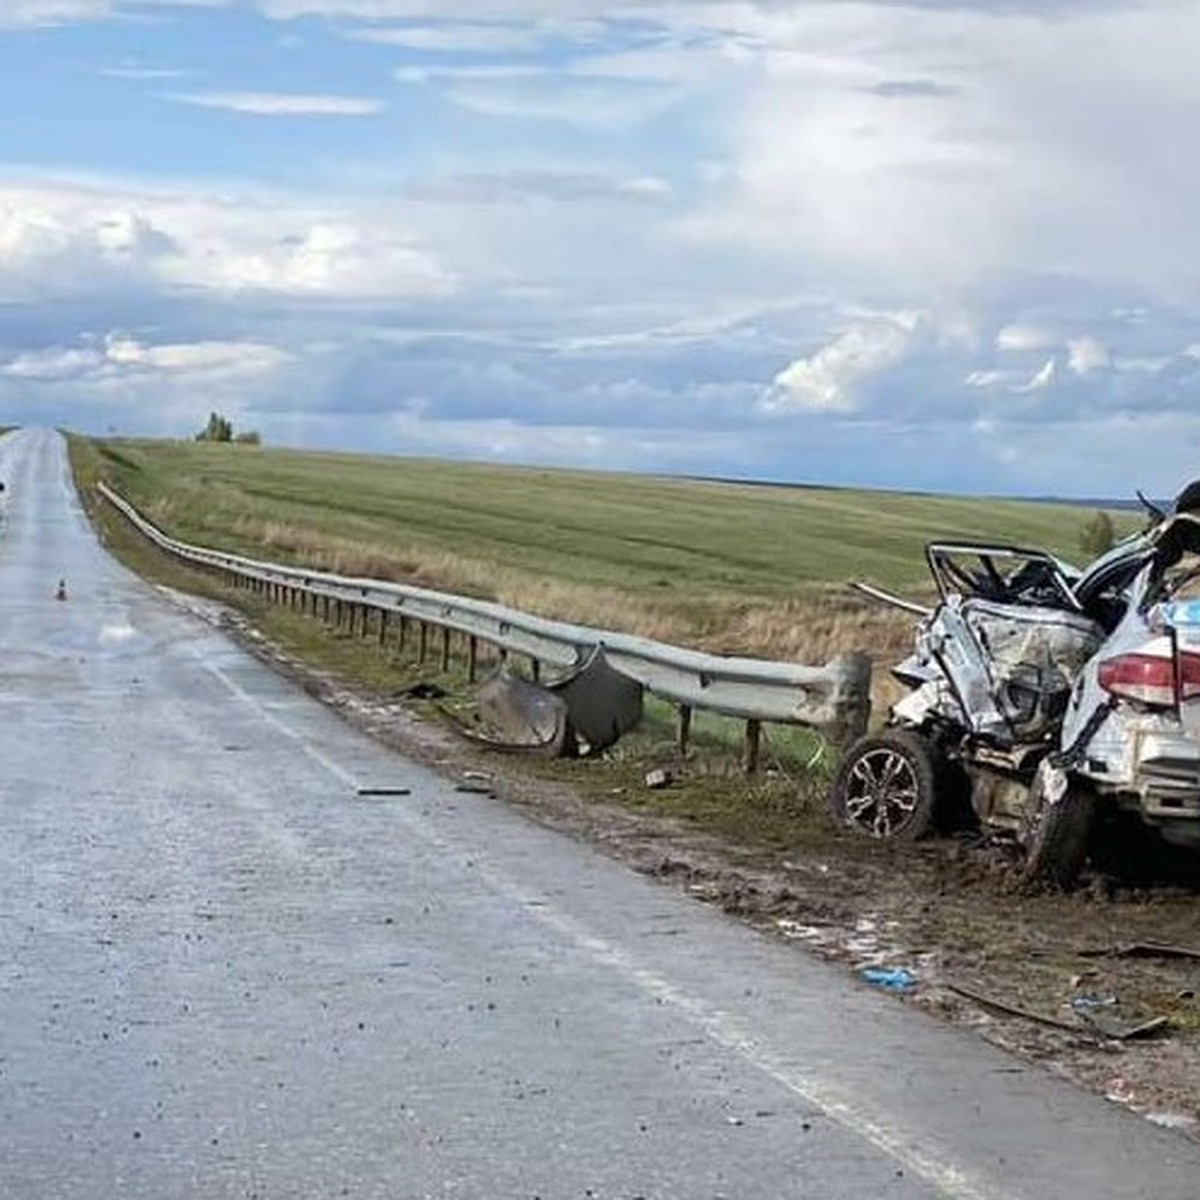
1146 678
1189 676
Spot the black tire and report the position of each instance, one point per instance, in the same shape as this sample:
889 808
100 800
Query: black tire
1056 837
885 786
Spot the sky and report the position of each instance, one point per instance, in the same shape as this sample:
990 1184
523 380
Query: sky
928 245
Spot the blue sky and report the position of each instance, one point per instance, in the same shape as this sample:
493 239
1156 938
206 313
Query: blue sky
934 245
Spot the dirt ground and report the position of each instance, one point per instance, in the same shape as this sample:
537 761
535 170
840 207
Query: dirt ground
947 911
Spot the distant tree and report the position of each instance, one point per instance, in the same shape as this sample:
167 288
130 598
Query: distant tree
218 429
1097 536
248 437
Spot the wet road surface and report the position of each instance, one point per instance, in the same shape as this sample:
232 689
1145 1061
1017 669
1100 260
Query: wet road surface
225 974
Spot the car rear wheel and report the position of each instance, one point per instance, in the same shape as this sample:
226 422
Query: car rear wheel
885 786
1056 836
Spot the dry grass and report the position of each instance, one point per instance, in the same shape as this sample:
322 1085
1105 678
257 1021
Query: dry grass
812 627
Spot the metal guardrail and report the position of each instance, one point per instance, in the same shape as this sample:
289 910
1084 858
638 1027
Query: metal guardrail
833 699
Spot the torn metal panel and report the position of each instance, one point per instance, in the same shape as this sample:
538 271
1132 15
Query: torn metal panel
601 703
586 711
524 716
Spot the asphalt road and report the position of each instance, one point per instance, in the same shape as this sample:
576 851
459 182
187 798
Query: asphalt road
225 974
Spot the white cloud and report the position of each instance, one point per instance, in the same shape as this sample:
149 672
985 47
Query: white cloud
139 73
987 380
119 357
1019 338
1025 152
1086 355
527 92
282 104
52 365
35 14
47 245
1044 378
84 238
825 381
453 36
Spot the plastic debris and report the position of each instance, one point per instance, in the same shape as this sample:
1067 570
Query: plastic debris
892 979
1141 950
1087 1003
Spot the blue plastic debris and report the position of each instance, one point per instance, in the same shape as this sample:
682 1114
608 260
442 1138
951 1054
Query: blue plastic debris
1084 1003
893 979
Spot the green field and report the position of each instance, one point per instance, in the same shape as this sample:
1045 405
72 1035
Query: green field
713 564
634 532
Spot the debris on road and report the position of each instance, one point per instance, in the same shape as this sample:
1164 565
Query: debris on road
1132 1033
1091 1027
658 779
1085 1004
423 690
475 789
1140 950
384 791
892 979
1003 1008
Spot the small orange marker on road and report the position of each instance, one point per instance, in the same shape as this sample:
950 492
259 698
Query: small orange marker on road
61 594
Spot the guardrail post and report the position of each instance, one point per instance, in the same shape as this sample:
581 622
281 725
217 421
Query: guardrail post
685 728
403 637
535 669
753 741
445 648
472 658
383 624
422 640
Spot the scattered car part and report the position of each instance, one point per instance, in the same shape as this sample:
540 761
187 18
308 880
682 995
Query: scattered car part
1141 950
521 715
602 704
583 712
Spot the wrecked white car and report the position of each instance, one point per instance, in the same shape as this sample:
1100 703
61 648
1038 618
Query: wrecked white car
1044 700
